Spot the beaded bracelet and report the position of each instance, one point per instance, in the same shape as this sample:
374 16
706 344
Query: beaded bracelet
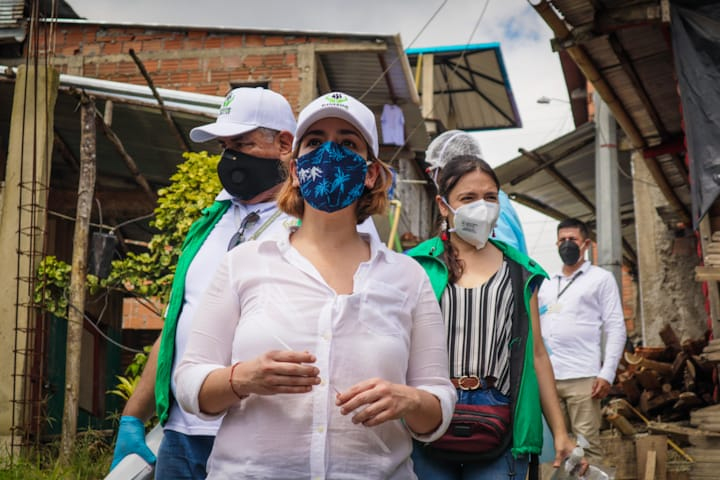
232 372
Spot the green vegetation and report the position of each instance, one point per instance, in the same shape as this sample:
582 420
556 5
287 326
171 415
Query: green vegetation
90 461
149 274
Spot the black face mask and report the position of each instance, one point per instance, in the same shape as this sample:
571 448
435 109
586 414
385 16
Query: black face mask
569 252
245 176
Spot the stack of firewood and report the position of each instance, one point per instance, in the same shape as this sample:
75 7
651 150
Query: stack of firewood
669 391
666 383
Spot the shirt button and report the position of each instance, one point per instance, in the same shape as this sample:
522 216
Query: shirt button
320 429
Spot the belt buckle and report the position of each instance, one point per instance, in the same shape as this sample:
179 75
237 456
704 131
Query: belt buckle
472 378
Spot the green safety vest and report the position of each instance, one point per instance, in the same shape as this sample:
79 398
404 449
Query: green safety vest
524 389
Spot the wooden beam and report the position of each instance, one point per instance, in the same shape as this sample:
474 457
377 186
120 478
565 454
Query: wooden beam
129 162
182 141
627 67
564 182
65 152
712 284
667 190
547 162
355 47
86 190
707 274
323 81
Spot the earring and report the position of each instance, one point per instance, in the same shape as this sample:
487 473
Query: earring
443 230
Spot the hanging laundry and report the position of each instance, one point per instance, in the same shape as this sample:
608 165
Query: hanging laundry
392 123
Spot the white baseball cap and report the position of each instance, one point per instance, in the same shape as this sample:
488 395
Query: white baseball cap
450 144
339 105
246 109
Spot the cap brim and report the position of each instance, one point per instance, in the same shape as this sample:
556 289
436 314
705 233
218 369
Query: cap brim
212 131
333 112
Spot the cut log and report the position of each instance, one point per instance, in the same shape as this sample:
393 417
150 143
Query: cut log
694 347
649 379
678 366
658 401
689 376
687 400
664 369
620 423
670 338
631 389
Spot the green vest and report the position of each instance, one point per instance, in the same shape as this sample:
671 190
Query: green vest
525 392
195 238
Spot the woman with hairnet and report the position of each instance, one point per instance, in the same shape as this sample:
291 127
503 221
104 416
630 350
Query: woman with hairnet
453 143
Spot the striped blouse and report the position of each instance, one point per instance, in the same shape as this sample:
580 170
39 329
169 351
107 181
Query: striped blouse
478 324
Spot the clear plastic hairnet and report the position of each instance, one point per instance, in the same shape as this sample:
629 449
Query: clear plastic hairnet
451 144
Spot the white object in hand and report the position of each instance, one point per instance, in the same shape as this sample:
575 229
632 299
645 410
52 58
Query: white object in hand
133 467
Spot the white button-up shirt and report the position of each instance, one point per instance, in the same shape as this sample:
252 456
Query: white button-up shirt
573 318
266 296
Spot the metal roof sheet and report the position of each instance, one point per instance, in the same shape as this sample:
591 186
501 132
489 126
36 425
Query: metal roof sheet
558 179
471 87
628 42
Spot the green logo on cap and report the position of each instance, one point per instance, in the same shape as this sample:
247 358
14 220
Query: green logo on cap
336 99
225 107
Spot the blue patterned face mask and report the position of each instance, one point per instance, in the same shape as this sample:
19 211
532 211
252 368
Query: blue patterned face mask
331 177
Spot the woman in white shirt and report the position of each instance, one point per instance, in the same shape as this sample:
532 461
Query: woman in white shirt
324 350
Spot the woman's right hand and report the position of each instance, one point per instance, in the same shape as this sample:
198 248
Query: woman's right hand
276 371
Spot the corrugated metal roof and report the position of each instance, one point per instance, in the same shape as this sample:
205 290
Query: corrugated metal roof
558 179
379 78
12 24
630 47
471 87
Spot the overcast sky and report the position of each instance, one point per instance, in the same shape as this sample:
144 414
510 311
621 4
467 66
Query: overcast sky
533 69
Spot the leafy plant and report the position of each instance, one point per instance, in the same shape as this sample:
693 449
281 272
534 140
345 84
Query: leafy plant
149 274
126 384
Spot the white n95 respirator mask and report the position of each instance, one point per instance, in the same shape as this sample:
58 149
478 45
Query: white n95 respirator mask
475 221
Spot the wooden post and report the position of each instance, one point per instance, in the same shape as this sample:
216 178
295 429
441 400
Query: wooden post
651 457
76 312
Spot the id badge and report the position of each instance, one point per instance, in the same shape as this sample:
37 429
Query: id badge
555 308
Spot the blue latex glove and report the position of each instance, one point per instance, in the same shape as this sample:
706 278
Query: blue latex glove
131 439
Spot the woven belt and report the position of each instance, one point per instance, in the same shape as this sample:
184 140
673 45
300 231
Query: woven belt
473 382
467 382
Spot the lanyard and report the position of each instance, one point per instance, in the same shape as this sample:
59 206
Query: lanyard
566 286
265 225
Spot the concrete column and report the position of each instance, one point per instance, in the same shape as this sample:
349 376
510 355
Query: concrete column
607 198
22 223
667 288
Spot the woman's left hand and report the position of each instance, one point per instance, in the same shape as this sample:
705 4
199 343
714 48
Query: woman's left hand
564 445
382 401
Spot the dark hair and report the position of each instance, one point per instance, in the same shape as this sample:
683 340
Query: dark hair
450 175
575 223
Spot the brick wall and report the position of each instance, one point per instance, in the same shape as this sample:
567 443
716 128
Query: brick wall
191 60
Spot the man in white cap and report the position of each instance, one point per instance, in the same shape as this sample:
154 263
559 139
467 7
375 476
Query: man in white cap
454 143
255 128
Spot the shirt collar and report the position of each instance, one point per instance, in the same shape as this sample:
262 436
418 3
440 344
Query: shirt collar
378 250
583 268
